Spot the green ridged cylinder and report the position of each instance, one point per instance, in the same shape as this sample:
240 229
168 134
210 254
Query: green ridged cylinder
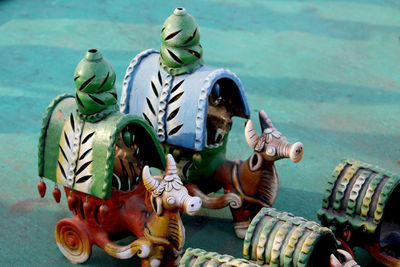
198 257
357 196
180 51
96 96
281 239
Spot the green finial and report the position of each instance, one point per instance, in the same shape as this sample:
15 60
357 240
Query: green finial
96 96
181 51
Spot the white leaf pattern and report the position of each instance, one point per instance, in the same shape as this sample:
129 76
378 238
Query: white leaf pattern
75 156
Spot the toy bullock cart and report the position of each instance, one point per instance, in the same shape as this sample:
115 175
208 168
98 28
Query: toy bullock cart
84 146
190 106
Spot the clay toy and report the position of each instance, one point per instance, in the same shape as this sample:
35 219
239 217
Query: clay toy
276 238
199 257
279 239
78 150
360 205
190 106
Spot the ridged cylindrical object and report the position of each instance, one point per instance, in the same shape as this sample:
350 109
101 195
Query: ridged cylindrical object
198 257
356 196
281 239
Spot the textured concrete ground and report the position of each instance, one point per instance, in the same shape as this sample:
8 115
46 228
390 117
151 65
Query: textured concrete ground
327 73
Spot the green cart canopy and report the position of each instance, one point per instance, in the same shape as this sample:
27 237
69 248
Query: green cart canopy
80 154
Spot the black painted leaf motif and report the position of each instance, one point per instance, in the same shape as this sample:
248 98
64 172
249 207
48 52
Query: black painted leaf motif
191 37
150 106
172 35
173 114
79 100
176 86
62 170
147 119
87 137
174 57
114 95
83 179
175 130
67 140
154 89
159 78
175 98
63 153
71 119
84 166
97 100
105 80
86 83
194 53
85 154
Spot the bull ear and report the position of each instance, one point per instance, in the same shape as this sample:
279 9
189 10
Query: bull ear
250 134
156 203
265 122
255 161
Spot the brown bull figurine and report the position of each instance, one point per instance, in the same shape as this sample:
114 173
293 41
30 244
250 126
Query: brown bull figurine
251 184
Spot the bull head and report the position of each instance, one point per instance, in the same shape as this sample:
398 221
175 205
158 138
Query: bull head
342 259
169 193
271 144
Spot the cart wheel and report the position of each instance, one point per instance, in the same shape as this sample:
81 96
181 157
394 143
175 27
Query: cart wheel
73 241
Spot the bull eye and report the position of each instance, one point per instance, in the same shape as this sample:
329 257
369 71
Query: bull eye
271 151
171 200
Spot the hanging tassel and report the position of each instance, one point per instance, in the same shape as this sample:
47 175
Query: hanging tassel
41 188
71 200
57 194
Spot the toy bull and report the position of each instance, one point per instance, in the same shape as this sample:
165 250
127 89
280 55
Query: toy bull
78 150
190 106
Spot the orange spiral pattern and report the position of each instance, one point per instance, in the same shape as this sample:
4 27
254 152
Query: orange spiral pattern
73 241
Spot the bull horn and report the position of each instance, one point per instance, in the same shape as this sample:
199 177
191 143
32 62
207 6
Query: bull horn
250 134
265 122
150 183
171 166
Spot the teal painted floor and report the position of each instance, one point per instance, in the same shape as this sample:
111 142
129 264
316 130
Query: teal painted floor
327 73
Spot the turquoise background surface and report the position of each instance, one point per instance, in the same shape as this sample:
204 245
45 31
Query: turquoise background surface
327 73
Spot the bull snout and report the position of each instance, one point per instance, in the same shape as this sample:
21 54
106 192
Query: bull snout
296 152
192 205
279 149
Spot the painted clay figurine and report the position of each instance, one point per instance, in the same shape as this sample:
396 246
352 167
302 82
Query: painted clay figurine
360 205
190 106
199 257
278 239
78 150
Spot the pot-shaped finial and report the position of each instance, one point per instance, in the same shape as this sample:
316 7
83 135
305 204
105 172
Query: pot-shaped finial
181 51
94 80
